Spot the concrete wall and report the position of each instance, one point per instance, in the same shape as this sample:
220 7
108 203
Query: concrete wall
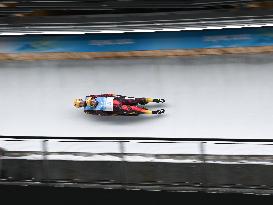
185 175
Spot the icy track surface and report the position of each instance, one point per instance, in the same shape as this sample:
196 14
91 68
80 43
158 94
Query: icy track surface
216 96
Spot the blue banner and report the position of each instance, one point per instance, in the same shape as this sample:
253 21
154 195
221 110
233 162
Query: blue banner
223 38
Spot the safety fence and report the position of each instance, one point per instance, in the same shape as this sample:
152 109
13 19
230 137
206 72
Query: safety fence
116 149
172 164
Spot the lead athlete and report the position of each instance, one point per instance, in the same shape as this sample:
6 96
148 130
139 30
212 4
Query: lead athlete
110 104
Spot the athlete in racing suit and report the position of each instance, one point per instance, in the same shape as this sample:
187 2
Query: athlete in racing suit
110 104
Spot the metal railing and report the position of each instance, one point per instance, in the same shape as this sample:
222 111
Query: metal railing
164 163
126 147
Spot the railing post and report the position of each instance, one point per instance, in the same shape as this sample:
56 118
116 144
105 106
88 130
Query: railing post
44 163
203 170
123 171
1 154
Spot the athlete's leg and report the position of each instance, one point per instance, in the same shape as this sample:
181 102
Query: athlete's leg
116 102
141 101
117 107
133 109
143 110
133 101
123 109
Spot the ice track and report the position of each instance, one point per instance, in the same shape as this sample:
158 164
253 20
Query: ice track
215 96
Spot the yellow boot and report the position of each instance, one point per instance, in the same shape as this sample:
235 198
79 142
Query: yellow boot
148 100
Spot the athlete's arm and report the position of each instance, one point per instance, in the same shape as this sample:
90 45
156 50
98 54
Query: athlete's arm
108 95
102 95
93 112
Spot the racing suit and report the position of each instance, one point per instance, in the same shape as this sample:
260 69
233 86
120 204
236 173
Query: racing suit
120 105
